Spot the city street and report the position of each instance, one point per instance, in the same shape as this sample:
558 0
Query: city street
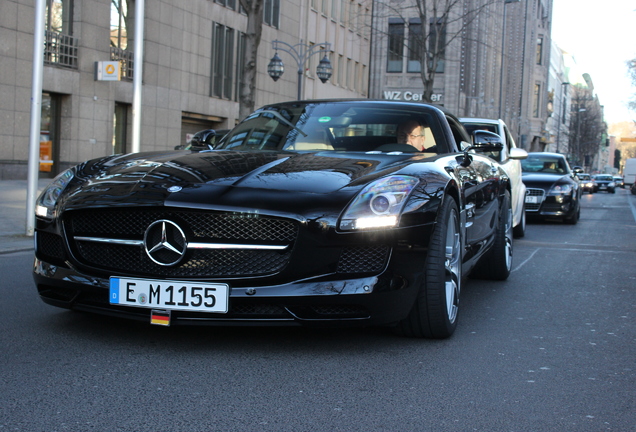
553 348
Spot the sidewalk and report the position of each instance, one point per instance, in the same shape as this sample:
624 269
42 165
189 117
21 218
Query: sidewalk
13 215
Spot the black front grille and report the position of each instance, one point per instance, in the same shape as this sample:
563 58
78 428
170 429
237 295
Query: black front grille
49 247
538 195
203 225
363 259
199 227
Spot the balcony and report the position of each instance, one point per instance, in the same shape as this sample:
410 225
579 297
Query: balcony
126 59
60 49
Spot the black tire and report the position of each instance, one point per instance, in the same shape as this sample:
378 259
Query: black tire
572 220
434 314
497 263
519 231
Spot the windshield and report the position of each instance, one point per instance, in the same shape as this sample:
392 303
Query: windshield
336 126
549 164
604 177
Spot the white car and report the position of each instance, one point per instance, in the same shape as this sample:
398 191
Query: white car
509 159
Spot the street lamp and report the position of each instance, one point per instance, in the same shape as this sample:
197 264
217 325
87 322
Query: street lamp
561 117
301 53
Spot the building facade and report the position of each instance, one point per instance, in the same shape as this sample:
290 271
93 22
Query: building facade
495 60
192 62
559 102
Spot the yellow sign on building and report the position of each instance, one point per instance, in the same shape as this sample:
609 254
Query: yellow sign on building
107 71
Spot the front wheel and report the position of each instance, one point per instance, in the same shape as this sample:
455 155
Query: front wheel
497 264
572 220
520 230
434 314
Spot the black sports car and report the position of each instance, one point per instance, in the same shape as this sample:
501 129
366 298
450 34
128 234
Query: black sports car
552 189
305 213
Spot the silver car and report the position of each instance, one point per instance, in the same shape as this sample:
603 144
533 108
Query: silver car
509 158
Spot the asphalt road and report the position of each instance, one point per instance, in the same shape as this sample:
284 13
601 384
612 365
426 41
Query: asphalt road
553 348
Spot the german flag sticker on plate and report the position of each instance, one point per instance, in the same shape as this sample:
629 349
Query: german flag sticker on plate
160 317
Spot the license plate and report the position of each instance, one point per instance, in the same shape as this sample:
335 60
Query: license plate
170 295
602 187
532 199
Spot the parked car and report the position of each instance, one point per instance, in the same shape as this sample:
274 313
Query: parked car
586 182
204 140
307 212
604 182
552 189
509 158
619 182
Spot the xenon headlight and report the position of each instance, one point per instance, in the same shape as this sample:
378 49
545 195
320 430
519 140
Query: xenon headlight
379 204
47 201
561 189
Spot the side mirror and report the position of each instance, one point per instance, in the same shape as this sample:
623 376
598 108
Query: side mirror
577 169
517 153
487 141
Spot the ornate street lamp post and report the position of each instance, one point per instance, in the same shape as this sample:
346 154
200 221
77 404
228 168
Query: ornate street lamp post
301 53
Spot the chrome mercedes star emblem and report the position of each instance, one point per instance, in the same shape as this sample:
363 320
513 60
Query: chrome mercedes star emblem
165 243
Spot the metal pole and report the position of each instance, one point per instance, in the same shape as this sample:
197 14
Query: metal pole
36 116
300 82
138 75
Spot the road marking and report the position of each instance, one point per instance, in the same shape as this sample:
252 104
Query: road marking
525 261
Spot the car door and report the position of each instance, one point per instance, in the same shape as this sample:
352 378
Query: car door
512 167
479 183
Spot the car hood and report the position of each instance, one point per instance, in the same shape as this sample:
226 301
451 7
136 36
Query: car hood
228 178
544 178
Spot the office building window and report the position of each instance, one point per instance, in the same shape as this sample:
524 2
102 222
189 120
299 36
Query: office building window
536 101
240 64
271 12
343 11
437 44
540 50
414 63
396 46
59 16
227 3
60 47
222 61
121 23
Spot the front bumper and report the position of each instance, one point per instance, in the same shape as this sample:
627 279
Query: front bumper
377 300
550 205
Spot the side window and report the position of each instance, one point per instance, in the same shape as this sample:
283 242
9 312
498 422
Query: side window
459 133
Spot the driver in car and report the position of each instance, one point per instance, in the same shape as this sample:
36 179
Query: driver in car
412 132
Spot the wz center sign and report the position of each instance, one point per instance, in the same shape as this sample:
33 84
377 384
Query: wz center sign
410 96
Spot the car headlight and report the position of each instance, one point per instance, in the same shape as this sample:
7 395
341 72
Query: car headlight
379 204
589 184
611 184
561 189
47 201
